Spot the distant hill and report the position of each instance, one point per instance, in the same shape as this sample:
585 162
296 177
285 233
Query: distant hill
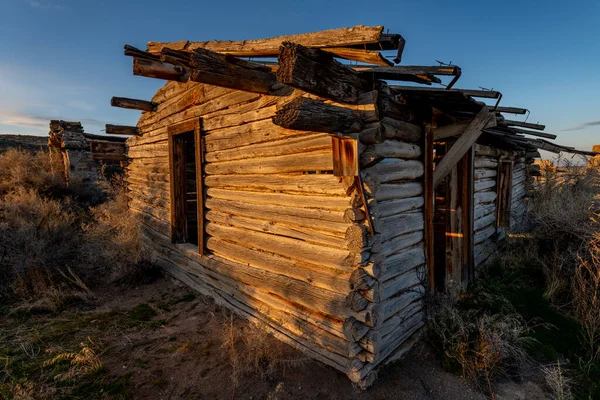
24 142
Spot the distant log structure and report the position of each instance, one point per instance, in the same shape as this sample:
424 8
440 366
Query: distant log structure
81 156
303 194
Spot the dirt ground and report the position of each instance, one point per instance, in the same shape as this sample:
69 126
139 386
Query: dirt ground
181 348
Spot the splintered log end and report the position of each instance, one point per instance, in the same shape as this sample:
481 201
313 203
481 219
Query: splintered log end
289 115
316 116
286 60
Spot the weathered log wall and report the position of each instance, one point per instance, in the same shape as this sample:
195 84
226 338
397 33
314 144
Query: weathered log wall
390 286
487 234
289 243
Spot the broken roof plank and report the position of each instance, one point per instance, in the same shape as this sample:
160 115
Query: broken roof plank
462 145
529 125
490 94
532 133
510 110
366 37
391 72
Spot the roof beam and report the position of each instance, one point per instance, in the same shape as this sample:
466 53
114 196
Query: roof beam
222 70
532 133
122 130
133 104
510 110
462 145
490 94
336 41
529 125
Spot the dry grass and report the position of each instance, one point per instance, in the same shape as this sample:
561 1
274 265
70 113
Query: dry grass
54 240
557 382
485 347
253 350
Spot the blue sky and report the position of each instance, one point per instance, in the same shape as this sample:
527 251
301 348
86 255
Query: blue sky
63 59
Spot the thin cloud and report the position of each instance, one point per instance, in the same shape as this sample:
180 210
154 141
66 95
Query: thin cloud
583 126
40 121
44 5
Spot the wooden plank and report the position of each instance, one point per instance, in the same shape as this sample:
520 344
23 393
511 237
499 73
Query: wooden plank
523 124
122 130
345 156
489 94
510 110
343 37
399 72
317 72
462 145
532 133
133 104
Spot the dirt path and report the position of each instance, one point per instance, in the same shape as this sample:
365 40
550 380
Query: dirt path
191 357
164 341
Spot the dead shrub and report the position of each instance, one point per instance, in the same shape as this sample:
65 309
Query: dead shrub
37 236
485 347
21 169
112 247
54 238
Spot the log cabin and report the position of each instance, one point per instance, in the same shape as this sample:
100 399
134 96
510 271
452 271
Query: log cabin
314 195
82 156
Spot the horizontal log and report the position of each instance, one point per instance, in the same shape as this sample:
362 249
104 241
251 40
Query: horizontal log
133 104
306 233
122 130
335 259
287 145
481 210
484 184
253 133
158 70
485 197
484 162
389 149
485 173
397 206
313 274
395 191
239 115
313 161
328 220
484 221
209 67
286 183
399 263
400 243
240 306
336 41
487 151
396 225
312 115
484 234
390 169
316 71
338 203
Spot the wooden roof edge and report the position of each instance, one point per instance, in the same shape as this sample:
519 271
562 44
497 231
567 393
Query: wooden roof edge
358 43
490 94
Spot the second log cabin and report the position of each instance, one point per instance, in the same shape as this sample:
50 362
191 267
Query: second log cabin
317 197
